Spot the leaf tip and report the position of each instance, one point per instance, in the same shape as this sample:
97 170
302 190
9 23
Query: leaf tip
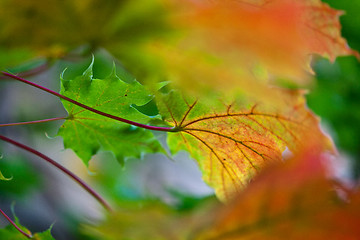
3 178
113 75
121 160
63 81
88 73
113 71
62 74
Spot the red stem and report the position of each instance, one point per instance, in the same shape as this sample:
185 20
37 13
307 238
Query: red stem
61 168
32 122
14 224
163 129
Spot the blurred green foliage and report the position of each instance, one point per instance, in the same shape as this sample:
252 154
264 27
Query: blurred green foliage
24 176
335 97
55 28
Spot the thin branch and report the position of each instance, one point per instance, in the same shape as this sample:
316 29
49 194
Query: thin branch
14 224
32 122
61 168
163 129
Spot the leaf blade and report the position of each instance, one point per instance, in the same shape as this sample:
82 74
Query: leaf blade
233 142
87 132
281 204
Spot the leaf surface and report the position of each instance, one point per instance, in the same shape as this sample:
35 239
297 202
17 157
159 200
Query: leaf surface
86 132
233 141
150 221
230 44
290 201
11 233
276 36
294 200
323 30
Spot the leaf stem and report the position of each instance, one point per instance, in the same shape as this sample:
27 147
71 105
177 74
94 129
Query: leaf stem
163 129
61 168
14 224
32 122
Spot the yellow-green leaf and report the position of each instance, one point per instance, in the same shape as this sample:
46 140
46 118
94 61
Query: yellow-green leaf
233 141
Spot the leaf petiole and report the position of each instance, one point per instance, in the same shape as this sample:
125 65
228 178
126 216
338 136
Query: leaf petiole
154 128
61 168
32 122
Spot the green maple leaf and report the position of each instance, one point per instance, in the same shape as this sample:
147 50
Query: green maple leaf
86 132
11 233
233 141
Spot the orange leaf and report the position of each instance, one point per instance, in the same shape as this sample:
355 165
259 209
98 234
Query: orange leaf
233 142
290 201
321 30
277 35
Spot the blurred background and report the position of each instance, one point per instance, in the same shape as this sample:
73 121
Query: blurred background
41 195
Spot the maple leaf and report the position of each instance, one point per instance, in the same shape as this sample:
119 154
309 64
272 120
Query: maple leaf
290 201
230 44
322 30
294 200
246 36
233 141
150 221
86 132
11 233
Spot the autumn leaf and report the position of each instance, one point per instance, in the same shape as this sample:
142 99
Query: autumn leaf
150 221
233 141
291 200
294 200
86 132
322 30
238 42
230 44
